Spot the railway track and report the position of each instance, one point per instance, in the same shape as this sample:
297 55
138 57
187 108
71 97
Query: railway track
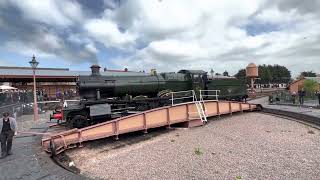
61 160
294 115
311 123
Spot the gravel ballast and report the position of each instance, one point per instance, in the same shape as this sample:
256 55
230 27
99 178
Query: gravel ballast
242 146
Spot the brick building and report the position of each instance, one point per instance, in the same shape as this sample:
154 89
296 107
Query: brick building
297 85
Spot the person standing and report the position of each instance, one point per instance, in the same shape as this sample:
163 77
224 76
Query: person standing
301 94
294 94
8 127
318 95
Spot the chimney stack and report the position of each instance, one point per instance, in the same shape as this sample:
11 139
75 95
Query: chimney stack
153 72
95 70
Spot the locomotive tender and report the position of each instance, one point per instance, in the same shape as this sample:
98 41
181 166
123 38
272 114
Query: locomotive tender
117 94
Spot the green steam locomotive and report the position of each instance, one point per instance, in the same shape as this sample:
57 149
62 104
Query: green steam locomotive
115 94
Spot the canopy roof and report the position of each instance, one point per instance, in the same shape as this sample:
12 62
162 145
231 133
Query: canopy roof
6 87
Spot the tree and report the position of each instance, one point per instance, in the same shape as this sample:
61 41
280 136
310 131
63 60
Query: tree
225 73
273 74
281 74
265 74
218 74
310 86
241 74
307 74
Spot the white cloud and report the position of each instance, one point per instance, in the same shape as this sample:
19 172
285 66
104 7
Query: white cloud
177 49
71 10
51 12
205 34
27 50
92 48
274 15
173 34
108 33
47 44
78 38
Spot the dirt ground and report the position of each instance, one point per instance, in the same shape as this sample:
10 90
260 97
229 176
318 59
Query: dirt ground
243 146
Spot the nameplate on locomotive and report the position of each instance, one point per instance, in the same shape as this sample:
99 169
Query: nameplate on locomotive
100 109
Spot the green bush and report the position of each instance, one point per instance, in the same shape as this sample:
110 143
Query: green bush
310 86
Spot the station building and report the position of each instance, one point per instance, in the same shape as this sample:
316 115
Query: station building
49 80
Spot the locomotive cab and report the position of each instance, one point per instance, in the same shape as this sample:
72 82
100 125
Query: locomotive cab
198 79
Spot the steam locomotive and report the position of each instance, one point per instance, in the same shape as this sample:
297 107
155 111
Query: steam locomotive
115 94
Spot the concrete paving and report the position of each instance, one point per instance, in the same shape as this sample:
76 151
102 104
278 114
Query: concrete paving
301 110
306 104
28 160
304 110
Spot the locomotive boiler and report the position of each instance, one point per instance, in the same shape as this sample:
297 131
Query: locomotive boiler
119 84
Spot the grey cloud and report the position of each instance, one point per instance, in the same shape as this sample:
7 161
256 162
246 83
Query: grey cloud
165 56
95 9
129 16
112 4
308 47
125 15
242 53
74 44
303 6
21 34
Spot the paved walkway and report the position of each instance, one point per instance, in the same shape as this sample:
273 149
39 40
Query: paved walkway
301 110
306 104
28 160
308 111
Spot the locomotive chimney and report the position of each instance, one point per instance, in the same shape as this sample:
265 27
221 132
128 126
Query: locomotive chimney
95 70
153 72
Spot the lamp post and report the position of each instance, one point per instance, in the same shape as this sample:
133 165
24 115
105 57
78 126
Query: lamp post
34 65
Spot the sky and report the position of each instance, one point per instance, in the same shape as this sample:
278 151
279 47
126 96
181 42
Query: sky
167 35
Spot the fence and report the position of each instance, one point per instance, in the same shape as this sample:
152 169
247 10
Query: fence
285 97
209 94
21 102
8 98
182 96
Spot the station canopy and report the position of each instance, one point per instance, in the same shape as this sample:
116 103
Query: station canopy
25 74
6 87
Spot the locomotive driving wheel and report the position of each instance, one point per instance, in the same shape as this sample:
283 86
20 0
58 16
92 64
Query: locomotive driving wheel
79 121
